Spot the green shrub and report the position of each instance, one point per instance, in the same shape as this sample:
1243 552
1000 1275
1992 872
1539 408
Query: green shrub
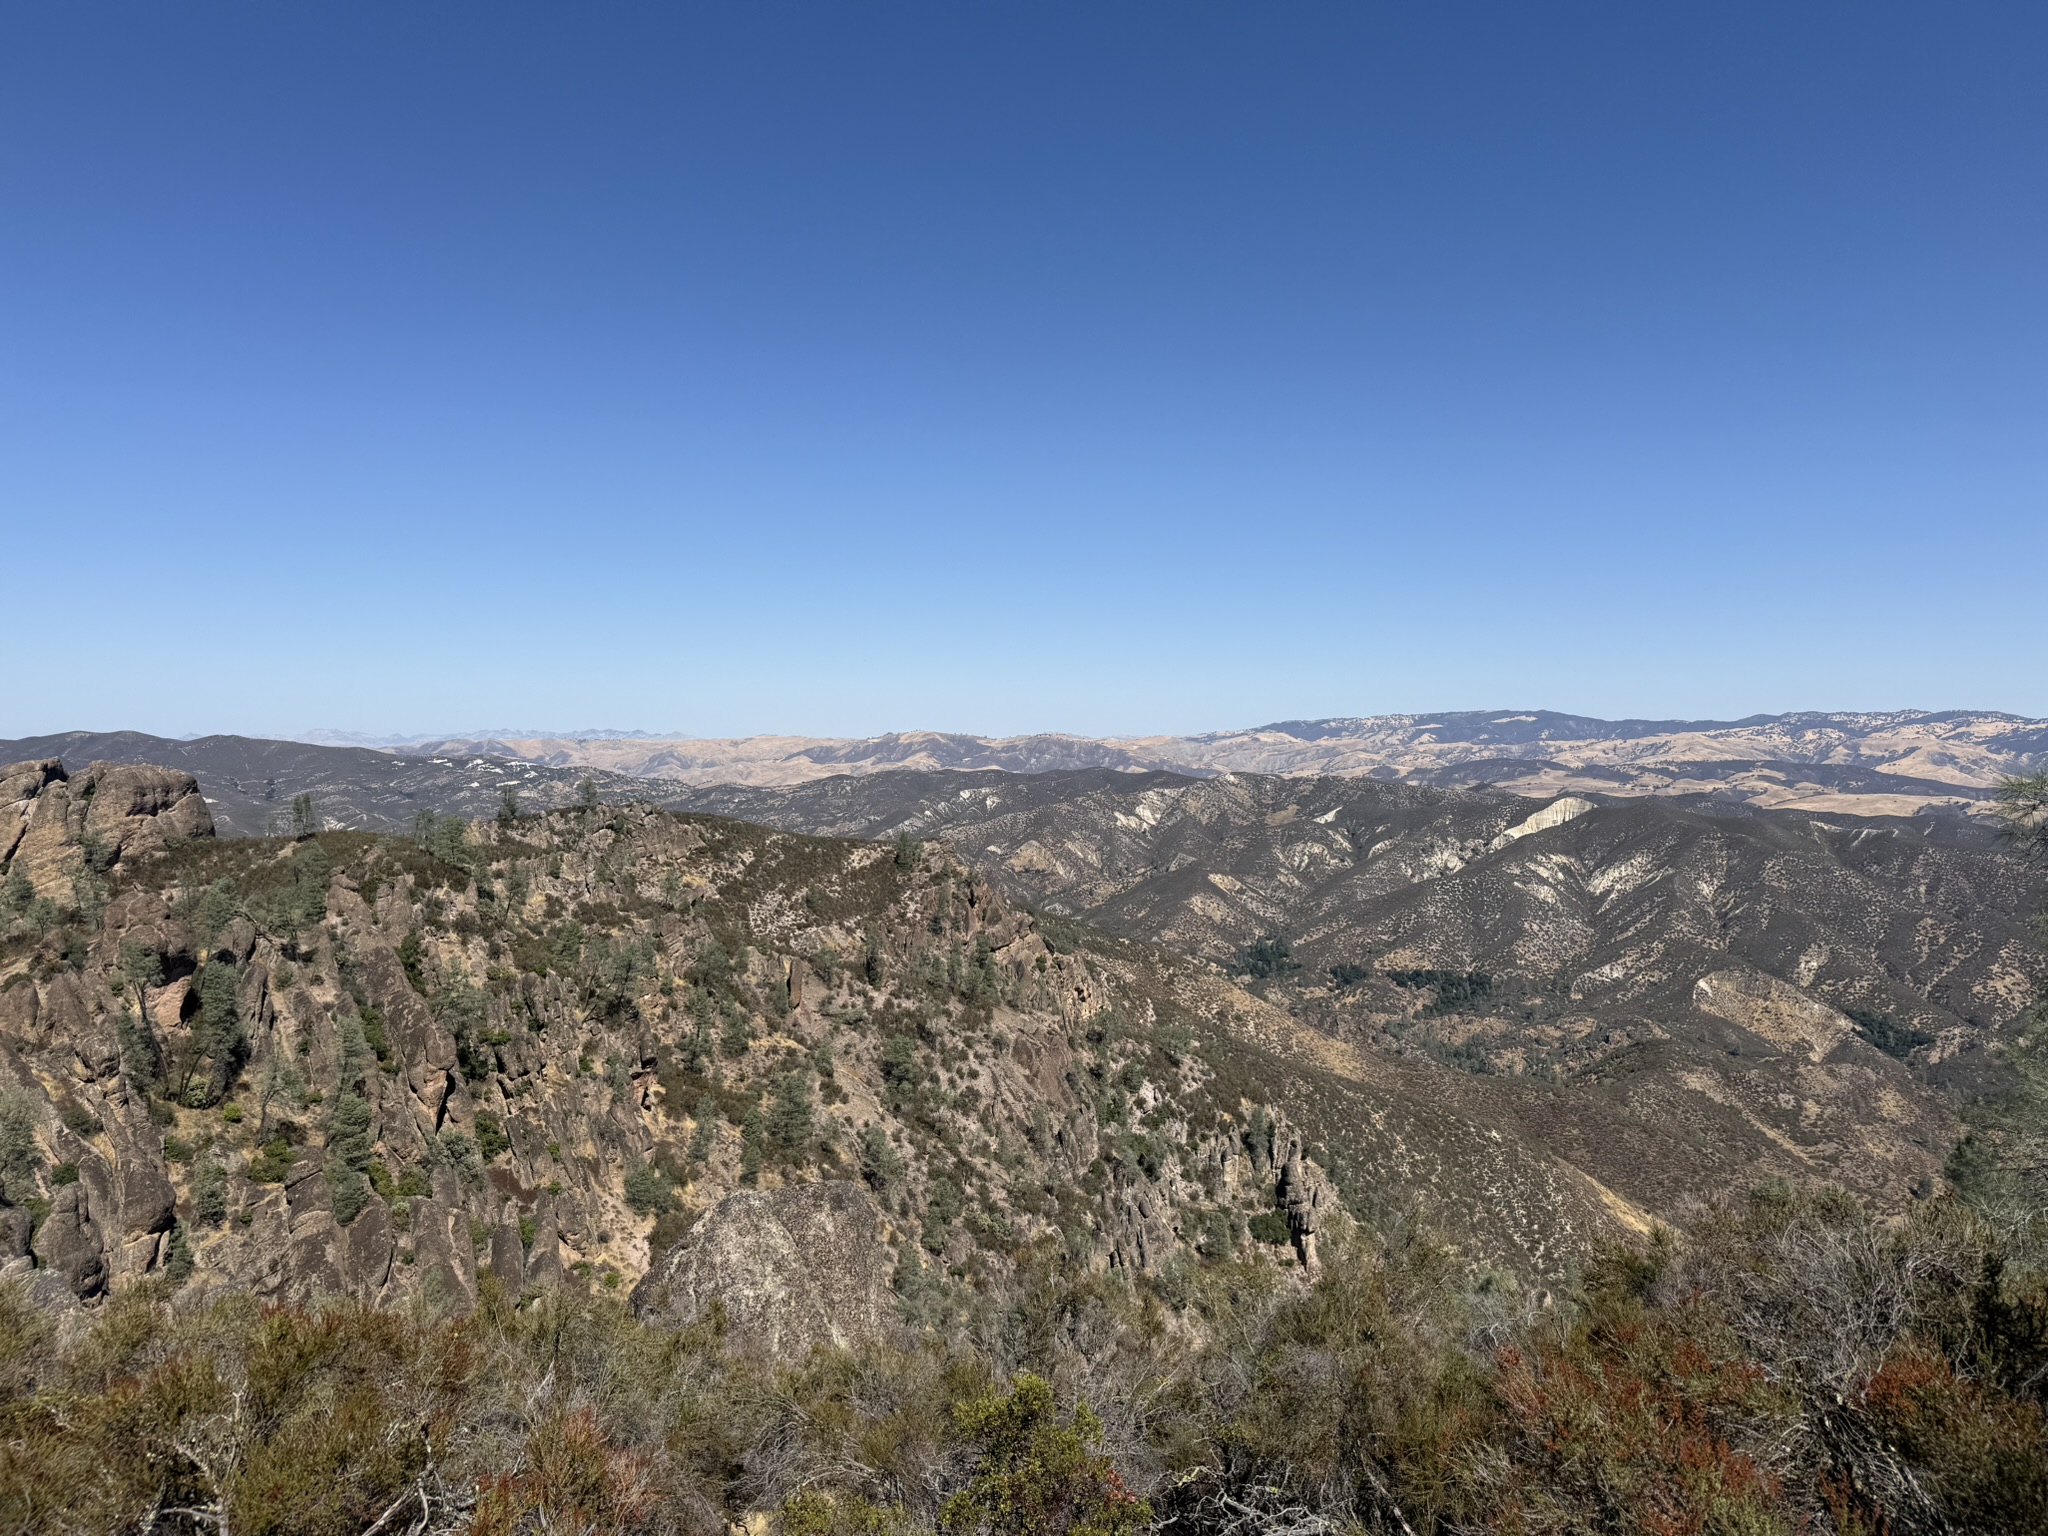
1036 1476
374 1032
647 1192
490 1135
1271 1227
273 1162
210 1191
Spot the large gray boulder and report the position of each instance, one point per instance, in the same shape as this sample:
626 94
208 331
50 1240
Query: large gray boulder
68 1242
792 1268
15 1223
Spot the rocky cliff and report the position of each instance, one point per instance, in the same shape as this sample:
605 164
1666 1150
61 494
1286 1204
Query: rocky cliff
558 1049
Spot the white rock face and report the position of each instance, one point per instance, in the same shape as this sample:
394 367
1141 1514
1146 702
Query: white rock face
1555 814
792 1268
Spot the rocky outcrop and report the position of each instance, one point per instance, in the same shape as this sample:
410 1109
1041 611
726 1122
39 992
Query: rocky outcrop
544 1258
1556 814
1136 1226
1307 1197
358 1067
508 1257
51 821
317 1265
790 1268
15 1223
68 1242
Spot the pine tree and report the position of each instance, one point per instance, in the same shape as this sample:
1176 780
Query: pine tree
789 1116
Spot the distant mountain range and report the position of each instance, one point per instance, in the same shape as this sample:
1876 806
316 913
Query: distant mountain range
1906 763
1880 764
387 742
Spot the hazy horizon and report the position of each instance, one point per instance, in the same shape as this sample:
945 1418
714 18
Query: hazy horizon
336 736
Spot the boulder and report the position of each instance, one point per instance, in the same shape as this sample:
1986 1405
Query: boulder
21 787
14 1230
444 1257
68 1242
67 1017
544 1258
368 1246
508 1256
315 1260
136 808
146 1199
791 1268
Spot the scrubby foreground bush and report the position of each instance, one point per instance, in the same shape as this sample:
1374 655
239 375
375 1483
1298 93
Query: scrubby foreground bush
1796 1366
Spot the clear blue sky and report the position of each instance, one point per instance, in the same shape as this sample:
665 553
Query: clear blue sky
1109 367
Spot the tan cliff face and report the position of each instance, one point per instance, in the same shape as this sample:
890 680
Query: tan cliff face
55 827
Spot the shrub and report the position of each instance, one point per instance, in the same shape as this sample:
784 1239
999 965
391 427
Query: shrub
375 1035
210 1191
1271 1227
490 1135
647 1192
1037 1476
273 1162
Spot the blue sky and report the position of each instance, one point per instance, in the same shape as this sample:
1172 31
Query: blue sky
1106 367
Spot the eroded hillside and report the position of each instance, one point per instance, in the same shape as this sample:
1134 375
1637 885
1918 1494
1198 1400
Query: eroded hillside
1673 995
